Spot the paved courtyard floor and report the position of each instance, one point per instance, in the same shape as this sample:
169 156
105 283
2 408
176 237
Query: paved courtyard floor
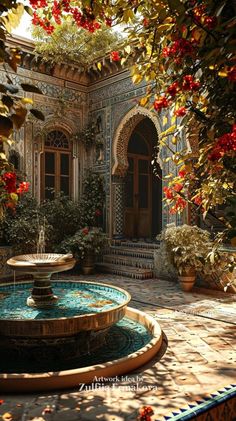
197 359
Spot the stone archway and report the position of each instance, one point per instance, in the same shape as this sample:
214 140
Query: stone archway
120 163
122 136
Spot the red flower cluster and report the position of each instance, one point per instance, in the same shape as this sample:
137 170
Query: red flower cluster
145 413
11 189
225 143
108 21
44 23
173 89
197 200
85 231
23 187
115 56
56 12
201 17
182 173
35 4
179 202
189 84
178 187
82 19
179 206
66 5
168 193
9 179
180 47
84 22
180 112
161 102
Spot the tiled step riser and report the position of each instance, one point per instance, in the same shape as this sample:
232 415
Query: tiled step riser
130 253
130 259
123 272
120 260
131 244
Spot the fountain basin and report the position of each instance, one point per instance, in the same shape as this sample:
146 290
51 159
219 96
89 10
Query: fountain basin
41 263
115 363
78 323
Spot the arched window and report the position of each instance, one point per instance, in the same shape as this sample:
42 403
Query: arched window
56 165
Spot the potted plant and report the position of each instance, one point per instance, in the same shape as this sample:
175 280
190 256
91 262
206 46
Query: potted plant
85 244
188 248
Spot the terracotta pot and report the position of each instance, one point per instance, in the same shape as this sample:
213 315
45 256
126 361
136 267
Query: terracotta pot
88 263
187 279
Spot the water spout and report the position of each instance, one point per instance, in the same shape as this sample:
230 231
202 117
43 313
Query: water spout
41 239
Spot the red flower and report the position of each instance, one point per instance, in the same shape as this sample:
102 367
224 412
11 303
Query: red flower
85 231
180 112
182 173
189 84
98 212
172 89
179 206
180 47
210 22
115 56
23 187
38 3
197 200
178 187
145 22
108 21
145 413
168 193
56 12
10 182
161 102
166 51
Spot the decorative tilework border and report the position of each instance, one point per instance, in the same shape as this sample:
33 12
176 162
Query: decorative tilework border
205 406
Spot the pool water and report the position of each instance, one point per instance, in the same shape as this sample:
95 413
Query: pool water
75 299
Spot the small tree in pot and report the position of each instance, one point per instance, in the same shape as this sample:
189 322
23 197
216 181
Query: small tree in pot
188 248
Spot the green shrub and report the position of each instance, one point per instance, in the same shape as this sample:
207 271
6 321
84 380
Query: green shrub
21 228
63 217
92 200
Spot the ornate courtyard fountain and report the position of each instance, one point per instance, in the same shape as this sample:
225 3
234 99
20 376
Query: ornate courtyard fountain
73 329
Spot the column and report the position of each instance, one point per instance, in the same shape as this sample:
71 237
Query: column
118 206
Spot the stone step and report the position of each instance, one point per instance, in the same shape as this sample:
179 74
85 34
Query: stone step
137 244
128 271
132 252
123 260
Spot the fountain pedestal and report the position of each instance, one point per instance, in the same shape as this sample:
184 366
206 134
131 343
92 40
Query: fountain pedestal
42 295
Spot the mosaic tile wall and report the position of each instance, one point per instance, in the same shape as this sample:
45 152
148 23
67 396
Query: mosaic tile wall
68 106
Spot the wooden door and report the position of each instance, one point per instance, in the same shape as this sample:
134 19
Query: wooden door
138 216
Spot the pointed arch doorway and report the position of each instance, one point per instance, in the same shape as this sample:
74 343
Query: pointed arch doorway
142 190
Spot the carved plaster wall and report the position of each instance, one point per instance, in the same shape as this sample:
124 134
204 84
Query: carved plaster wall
122 136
